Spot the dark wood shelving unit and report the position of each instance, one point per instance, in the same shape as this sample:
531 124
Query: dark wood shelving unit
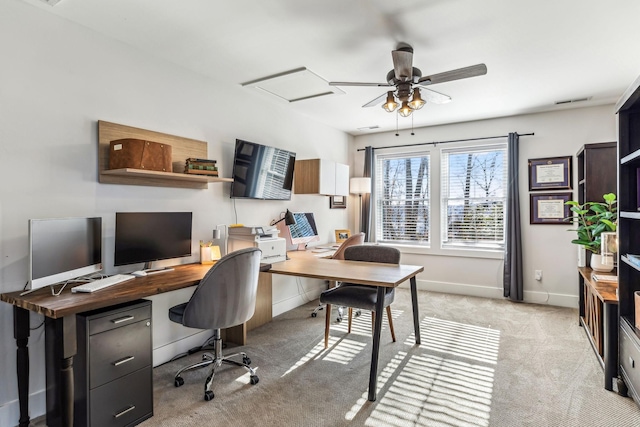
628 110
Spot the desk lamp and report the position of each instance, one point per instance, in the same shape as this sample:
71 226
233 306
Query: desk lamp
288 219
360 186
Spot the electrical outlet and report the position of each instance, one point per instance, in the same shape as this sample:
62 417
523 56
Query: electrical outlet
538 275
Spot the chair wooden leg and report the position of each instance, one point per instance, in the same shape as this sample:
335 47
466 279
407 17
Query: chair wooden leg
349 321
393 333
327 325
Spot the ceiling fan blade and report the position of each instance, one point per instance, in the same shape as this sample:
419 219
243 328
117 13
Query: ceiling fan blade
359 84
432 96
403 64
376 101
460 73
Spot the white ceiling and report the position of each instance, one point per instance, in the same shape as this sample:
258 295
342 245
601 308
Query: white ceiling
537 52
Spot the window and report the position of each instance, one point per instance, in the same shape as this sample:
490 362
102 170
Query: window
402 198
460 205
473 197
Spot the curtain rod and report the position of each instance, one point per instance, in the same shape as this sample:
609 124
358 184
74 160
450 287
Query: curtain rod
446 142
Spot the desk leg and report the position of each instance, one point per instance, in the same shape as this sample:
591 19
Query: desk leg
414 304
610 345
21 334
60 347
373 373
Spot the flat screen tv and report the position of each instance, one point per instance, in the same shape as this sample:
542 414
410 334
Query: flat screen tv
62 249
144 237
262 172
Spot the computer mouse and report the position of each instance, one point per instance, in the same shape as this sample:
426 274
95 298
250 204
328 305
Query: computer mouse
139 273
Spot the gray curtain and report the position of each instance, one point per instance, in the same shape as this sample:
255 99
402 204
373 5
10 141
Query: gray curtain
512 278
366 218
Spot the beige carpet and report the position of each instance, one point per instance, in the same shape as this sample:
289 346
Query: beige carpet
481 363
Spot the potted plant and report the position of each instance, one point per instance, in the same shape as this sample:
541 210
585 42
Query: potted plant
592 219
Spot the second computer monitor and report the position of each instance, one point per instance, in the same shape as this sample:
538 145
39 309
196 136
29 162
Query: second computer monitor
304 230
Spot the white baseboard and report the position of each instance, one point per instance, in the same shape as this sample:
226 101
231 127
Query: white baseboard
10 411
168 351
531 297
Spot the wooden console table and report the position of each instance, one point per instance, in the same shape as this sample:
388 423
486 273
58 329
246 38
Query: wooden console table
599 317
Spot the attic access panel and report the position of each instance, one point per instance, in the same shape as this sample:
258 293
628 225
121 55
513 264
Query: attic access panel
294 85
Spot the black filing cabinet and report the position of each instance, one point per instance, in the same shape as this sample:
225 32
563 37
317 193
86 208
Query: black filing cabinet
113 366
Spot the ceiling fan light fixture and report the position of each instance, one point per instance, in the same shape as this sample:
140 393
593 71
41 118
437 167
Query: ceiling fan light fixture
390 104
405 110
417 102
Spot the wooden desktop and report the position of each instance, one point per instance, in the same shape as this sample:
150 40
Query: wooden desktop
60 312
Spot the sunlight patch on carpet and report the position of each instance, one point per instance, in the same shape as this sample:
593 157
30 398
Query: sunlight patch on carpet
458 339
361 325
433 391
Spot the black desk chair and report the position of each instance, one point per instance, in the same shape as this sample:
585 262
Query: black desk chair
225 297
361 296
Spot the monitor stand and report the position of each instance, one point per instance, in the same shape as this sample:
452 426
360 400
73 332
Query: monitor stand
301 247
154 270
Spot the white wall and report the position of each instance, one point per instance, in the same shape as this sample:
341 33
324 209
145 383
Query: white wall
545 247
57 80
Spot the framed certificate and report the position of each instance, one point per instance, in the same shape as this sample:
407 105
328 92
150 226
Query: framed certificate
549 208
550 173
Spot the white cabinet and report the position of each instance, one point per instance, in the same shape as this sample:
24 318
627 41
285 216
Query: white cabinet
320 176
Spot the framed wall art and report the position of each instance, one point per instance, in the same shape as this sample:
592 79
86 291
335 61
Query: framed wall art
337 202
549 208
552 173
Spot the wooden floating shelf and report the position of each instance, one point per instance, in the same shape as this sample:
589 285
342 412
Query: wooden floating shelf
167 177
183 148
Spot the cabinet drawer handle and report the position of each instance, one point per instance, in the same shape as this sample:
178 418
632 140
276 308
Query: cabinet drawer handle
129 409
122 319
125 360
632 362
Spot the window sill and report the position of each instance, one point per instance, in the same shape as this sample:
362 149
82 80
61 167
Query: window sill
449 252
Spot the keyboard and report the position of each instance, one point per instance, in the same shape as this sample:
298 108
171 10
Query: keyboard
96 285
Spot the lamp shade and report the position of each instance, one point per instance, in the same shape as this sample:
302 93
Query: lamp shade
360 185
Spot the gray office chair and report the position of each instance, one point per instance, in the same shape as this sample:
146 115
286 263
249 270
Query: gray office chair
361 296
355 239
225 297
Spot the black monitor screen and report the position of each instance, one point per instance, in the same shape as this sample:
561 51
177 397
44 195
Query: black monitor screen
261 172
151 236
63 248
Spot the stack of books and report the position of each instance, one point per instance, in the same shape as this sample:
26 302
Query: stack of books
201 167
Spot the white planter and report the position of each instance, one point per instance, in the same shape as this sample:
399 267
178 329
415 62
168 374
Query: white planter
598 264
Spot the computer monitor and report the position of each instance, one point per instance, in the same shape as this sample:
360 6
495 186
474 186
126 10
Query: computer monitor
144 237
62 249
304 230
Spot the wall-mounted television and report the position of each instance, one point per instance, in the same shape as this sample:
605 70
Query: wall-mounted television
262 172
62 249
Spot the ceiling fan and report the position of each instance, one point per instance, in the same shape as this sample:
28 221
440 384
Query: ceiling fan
409 83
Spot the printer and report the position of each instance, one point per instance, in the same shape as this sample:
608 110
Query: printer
274 248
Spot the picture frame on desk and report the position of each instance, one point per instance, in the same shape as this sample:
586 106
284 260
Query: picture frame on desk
551 173
549 208
342 235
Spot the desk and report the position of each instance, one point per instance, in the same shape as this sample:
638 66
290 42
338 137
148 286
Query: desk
599 317
60 328
364 273
60 316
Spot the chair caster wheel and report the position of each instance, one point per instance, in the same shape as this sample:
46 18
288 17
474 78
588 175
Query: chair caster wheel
254 380
246 360
178 381
338 320
208 395
314 314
